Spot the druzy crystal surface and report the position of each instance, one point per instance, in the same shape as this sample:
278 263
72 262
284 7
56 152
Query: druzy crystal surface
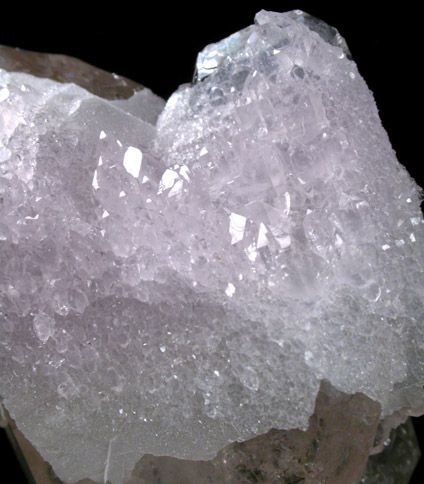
177 277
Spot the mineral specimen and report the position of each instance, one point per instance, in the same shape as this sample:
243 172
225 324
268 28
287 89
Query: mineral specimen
178 278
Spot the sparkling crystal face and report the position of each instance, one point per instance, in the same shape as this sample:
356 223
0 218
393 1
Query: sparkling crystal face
214 55
178 277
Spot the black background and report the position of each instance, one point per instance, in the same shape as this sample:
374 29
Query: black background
156 45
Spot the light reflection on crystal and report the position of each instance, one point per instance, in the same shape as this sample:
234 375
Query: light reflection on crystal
132 161
237 226
4 94
230 290
95 181
167 180
262 238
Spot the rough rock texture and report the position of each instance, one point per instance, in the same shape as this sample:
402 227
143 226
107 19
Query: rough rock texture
67 69
171 286
396 463
334 449
322 453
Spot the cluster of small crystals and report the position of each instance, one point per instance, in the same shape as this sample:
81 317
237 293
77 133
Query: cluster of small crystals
171 287
324 221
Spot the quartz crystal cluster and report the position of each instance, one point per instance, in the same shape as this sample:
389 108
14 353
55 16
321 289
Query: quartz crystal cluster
177 277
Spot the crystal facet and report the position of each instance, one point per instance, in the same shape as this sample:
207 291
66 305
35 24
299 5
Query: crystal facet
179 277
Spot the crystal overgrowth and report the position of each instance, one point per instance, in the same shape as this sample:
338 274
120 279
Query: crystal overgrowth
178 278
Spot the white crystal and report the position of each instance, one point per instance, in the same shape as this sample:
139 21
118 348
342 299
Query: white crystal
132 161
208 271
43 326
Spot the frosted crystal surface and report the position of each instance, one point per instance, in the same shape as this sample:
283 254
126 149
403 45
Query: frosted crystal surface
171 286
